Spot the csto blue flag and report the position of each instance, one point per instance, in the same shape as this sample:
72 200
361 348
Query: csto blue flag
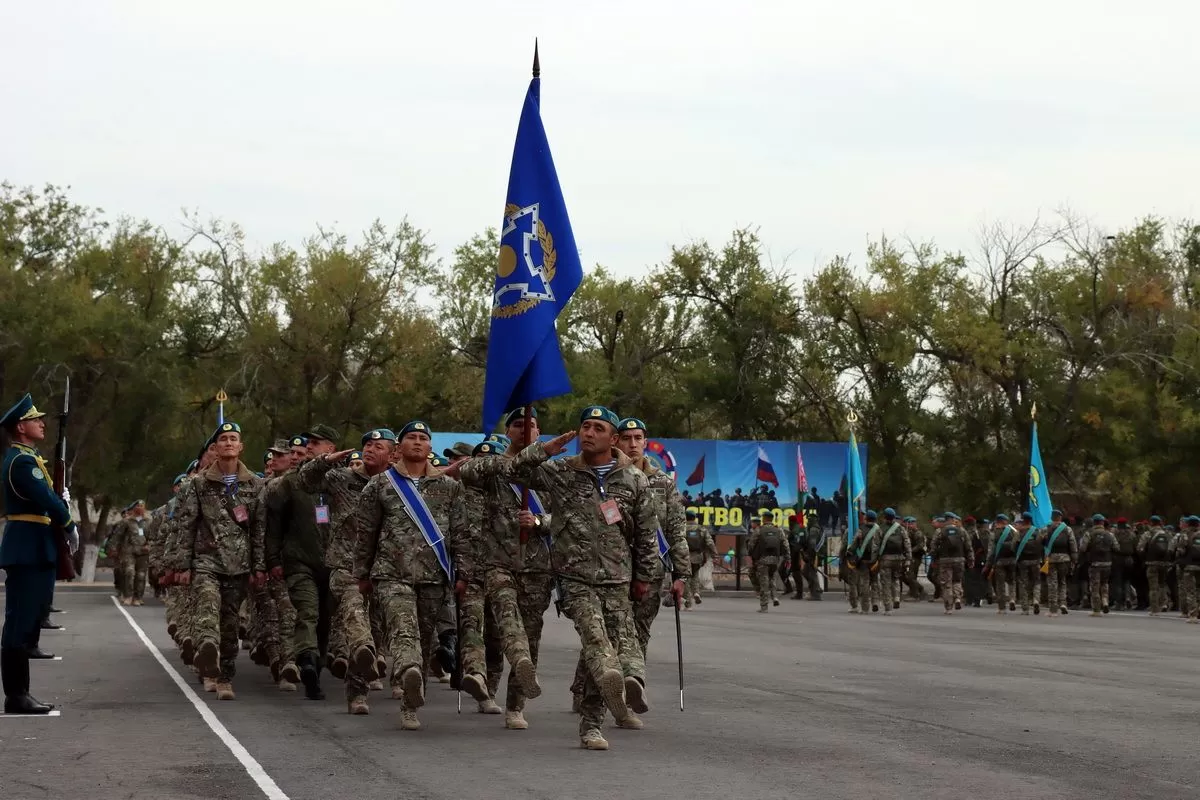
1039 490
856 489
537 272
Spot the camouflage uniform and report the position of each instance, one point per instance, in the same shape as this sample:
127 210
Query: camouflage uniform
131 542
156 538
480 649
701 549
221 553
919 543
516 564
1029 569
1155 548
596 562
1099 544
350 621
672 520
951 548
179 598
1002 555
766 544
895 553
1062 553
859 561
1187 558
409 582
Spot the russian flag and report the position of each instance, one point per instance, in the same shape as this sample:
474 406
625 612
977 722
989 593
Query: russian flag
766 472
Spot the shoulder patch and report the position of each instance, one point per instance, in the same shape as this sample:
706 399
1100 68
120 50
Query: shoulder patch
38 475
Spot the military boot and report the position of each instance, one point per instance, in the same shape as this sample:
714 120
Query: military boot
527 678
310 676
489 706
14 672
358 706
631 722
413 686
225 690
409 721
475 686
515 721
592 739
635 695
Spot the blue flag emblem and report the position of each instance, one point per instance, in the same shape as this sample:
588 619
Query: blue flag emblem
537 272
1039 491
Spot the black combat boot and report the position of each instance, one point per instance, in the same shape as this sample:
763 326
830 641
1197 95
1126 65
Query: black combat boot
37 652
14 670
310 675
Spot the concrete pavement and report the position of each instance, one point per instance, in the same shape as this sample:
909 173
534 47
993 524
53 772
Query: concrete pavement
804 700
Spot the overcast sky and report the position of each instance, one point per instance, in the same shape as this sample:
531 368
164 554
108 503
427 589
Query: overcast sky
825 123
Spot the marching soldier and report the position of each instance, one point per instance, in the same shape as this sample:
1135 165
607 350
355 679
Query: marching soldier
862 557
1061 552
131 542
222 524
1154 547
406 518
1122 565
952 551
1028 565
1002 563
812 543
1098 544
1187 556
766 546
895 553
917 537
28 550
701 550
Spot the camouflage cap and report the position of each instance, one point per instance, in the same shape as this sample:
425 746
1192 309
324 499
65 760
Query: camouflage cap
459 449
324 432
280 446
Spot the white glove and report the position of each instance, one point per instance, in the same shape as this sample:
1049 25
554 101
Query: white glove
66 495
73 539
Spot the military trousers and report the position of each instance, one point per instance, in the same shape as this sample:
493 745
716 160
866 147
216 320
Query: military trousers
1004 575
27 591
604 621
1187 591
891 571
218 598
1156 578
264 624
518 602
478 641
866 586
1099 574
410 618
308 589
915 590
950 578
134 569
350 628
1029 580
692 584
1056 584
765 583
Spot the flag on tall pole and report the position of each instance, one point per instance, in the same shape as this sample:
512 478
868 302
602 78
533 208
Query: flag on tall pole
697 476
537 272
765 471
801 475
856 483
1039 490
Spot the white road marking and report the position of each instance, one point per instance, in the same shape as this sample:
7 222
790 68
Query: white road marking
252 767
55 713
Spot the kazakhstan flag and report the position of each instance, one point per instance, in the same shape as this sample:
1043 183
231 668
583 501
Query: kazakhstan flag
538 271
856 488
1039 490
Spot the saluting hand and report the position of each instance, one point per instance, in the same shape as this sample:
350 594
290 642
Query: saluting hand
559 443
336 457
452 470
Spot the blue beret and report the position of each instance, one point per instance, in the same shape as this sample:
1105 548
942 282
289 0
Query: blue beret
1026 517
1156 519
226 427
952 515
689 514
1097 518
500 439
518 414
910 519
1055 513
356 456
1194 519
939 518
438 461
1002 518
22 410
385 434
195 463
631 424
889 512
871 516
298 441
601 413
487 449
179 479
416 426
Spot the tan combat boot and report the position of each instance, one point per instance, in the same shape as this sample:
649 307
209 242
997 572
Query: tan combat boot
635 694
475 686
358 706
290 672
225 691
375 686
414 688
592 739
515 721
527 677
489 706
210 684
631 722
409 721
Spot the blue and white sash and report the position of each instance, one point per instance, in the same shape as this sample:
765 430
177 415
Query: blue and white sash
664 550
535 507
418 512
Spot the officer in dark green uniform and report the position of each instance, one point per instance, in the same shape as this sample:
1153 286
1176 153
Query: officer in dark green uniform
28 551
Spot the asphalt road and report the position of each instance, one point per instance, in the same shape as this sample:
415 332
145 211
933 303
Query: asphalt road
804 701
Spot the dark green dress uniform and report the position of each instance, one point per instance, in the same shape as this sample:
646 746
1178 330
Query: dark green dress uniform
28 555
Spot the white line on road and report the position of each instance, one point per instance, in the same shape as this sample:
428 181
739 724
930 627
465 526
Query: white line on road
252 767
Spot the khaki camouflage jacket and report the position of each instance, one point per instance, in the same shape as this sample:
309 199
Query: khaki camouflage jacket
672 516
390 545
1066 546
294 537
754 544
586 548
700 545
1011 542
130 539
1093 542
501 545
1166 551
898 546
209 539
340 487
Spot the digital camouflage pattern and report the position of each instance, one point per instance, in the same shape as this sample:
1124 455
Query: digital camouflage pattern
390 546
501 545
895 554
672 517
209 539
701 549
1154 545
131 542
607 639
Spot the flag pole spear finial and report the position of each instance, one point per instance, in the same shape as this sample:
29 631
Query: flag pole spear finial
537 67
1033 411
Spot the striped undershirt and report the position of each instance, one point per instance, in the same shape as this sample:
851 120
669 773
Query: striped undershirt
230 481
602 472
